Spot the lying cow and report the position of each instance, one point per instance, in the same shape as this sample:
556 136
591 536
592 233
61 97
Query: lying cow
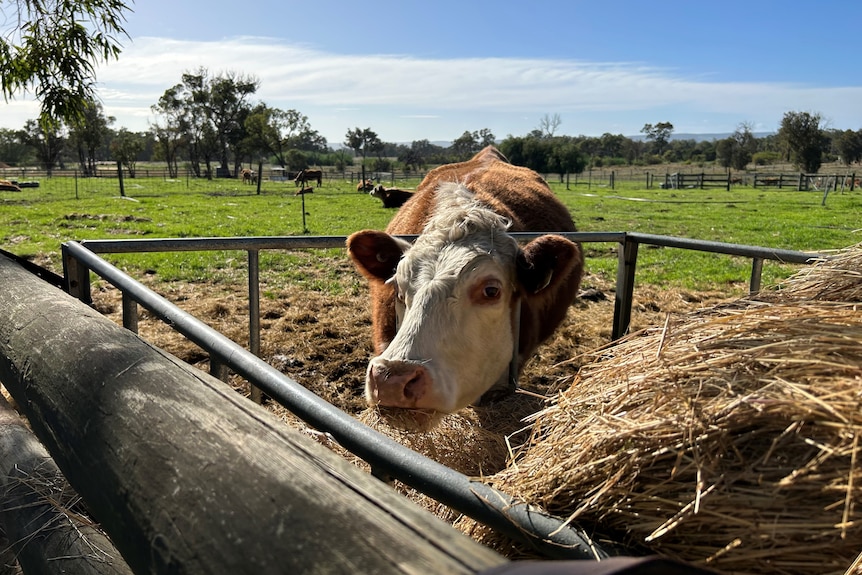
454 310
365 186
391 197
309 175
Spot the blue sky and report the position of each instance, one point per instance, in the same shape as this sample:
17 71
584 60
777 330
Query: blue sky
431 70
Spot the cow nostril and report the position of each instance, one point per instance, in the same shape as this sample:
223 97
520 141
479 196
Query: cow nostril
415 387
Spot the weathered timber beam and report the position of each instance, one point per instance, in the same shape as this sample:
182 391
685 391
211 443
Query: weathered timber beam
46 535
184 474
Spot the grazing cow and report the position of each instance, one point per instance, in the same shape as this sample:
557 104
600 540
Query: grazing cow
454 311
309 175
249 176
391 197
365 186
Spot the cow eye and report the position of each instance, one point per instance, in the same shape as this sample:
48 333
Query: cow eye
491 291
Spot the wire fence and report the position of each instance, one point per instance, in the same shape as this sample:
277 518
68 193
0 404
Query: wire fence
111 181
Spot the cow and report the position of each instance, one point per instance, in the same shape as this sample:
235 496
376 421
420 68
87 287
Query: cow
391 197
9 186
456 312
309 175
365 186
303 190
249 176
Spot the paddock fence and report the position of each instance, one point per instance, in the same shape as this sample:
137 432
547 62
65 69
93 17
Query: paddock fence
275 180
388 459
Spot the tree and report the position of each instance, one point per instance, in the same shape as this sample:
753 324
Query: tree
738 150
362 141
659 135
125 149
223 101
724 152
52 47
47 139
169 129
802 139
849 144
566 157
277 131
12 150
548 125
88 133
468 143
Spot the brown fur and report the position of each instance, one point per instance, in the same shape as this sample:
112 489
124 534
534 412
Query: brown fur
309 175
524 197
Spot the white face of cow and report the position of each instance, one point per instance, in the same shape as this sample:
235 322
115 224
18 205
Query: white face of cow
455 291
455 338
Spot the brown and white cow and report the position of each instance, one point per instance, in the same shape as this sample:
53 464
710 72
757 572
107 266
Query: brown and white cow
391 197
365 186
454 310
309 175
248 176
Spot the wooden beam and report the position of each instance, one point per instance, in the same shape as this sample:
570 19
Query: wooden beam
37 510
187 476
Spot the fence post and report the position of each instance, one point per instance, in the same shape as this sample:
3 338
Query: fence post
259 175
756 273
120 178
628 258
254 314
77 277
130 313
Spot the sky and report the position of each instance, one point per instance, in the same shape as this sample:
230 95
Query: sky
413 70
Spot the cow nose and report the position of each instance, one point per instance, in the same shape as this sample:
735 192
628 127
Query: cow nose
397 383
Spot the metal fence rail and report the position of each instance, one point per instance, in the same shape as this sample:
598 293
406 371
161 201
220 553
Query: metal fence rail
548 535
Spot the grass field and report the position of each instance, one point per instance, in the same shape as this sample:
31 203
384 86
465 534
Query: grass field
35 221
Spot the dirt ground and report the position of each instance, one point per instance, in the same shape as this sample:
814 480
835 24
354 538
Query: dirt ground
324 343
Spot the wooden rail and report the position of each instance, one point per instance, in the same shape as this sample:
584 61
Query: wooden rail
186 476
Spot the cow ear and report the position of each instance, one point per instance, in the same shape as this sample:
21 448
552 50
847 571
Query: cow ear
376 254
545 261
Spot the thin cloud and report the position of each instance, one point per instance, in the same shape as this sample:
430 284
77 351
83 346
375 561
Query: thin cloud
346 90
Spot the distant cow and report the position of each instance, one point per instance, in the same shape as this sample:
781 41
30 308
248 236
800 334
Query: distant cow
305 176
391 197
303 190
249 176
365 186
9 186
454 310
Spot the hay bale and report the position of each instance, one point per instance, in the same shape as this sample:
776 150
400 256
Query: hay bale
728 437
838 278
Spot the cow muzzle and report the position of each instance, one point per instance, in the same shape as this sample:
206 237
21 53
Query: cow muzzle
397 384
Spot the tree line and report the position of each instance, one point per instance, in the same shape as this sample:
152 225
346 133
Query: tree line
210 126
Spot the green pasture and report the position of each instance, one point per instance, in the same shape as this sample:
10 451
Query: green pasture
35 221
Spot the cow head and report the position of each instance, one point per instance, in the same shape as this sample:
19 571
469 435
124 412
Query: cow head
455 296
